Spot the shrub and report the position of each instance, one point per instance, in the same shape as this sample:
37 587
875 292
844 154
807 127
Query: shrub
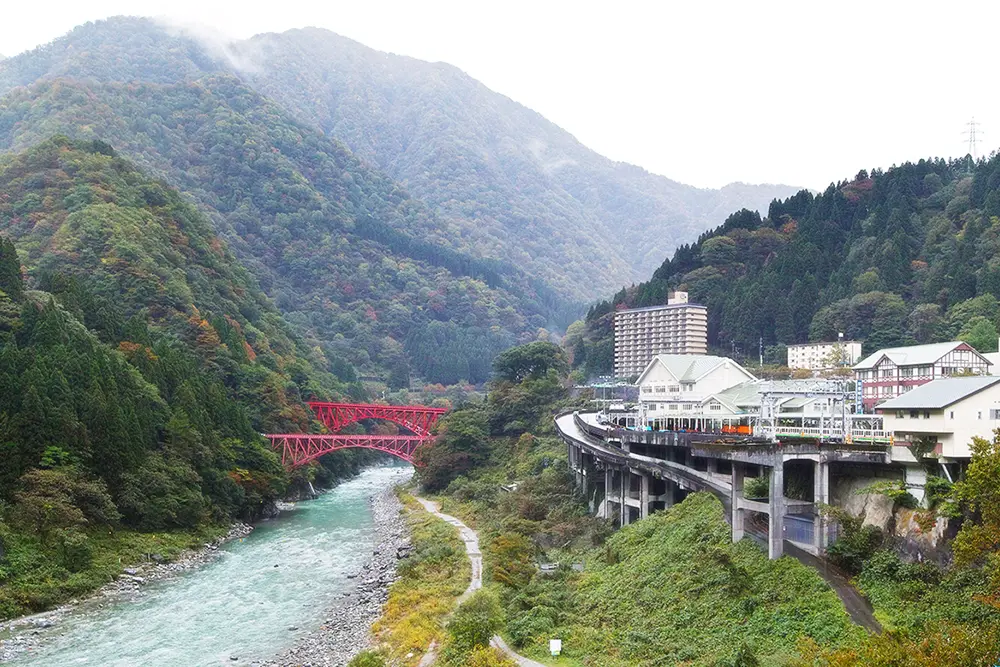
756 487
895 491
367 659
533 623
857 542
475 622
487 656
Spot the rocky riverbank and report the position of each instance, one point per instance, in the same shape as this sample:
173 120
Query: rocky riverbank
25 633
346 630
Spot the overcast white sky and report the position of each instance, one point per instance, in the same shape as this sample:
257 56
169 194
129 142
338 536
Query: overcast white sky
703 92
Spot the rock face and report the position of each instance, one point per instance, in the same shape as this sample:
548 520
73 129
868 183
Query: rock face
874 507
346 631
916 542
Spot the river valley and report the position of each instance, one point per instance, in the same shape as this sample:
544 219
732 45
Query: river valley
262 595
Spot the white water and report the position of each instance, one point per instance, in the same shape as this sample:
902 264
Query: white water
239 605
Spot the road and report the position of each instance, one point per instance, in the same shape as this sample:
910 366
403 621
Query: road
471 540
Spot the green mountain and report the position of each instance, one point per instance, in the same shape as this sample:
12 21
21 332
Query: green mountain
345 253
909 255
502 181
515 183
139 362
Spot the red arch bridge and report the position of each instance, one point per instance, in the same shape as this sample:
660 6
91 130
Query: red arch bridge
301 448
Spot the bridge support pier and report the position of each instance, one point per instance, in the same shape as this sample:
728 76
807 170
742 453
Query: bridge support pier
735 496
821 496
643 496
777 510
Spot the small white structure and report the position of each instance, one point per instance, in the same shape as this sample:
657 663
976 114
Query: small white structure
824 356
945 415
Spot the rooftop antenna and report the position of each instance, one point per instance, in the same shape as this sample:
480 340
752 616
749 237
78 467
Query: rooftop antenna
973 140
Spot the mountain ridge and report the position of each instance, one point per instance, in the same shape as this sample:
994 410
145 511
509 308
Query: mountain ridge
542 200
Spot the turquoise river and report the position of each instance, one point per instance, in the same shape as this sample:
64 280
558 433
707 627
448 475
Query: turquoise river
260 595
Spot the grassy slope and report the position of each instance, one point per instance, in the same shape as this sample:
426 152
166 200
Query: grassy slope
671 589
431 579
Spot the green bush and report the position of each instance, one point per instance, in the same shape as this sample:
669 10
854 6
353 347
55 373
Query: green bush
895 491
756 487
474 623
536 622
367 659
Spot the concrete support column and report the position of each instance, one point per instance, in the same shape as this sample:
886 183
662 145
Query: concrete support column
643 496
607 492
712 465
668 493
734 499
623 487
821 496
776 513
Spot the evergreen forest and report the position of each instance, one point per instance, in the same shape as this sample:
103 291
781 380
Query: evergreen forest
904 256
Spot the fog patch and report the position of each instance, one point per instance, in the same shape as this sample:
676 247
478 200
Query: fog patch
218 44
538 148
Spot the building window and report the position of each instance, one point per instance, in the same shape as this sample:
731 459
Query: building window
913 414
687 406
979 415
951 415
715 406
900 414
661 390
994 414
927 414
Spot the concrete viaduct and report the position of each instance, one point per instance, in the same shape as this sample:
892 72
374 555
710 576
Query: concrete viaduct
627 474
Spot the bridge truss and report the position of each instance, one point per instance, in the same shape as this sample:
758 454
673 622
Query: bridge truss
301 448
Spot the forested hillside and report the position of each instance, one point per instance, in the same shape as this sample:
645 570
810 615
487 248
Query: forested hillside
344 252
909 255
503 182
517 184
138 364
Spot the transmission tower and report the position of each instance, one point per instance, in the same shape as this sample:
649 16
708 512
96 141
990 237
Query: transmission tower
973 141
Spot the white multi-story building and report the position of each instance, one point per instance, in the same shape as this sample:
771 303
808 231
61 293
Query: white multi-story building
824 356
642 333
943 416
673 387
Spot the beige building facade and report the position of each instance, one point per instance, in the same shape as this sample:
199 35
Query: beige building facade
824 356
642 333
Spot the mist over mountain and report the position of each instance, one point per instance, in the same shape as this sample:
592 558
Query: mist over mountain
504 182
517 182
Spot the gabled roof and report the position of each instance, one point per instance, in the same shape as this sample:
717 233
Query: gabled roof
938 394
746 396
912 355
691 367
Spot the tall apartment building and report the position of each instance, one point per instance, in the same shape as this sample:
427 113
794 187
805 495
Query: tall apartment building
823 356
642 333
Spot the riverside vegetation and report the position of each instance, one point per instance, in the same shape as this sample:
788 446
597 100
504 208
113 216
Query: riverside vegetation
673 589
138 364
